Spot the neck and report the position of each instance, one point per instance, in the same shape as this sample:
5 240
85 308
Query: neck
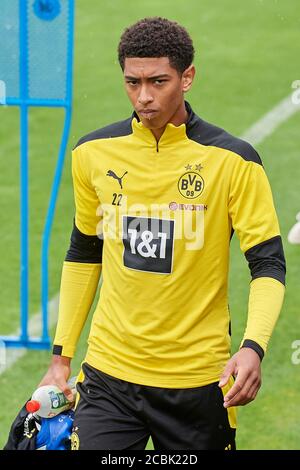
179 117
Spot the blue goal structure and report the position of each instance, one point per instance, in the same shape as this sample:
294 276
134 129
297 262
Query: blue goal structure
36 62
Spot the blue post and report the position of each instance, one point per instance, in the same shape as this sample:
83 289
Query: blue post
24 169
56 184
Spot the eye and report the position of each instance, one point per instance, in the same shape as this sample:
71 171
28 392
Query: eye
159 81
131 82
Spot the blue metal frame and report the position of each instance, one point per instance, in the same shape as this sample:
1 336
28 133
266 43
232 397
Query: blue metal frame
24 102
56 181
24 169
35 102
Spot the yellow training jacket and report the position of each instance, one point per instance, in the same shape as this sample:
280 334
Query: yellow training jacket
159 217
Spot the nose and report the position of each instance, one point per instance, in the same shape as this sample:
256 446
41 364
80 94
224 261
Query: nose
144 96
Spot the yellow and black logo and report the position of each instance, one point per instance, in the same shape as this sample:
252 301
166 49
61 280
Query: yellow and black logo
191 184
74 441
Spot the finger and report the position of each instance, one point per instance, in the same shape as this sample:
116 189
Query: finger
246 394
227 373
254 390
67 391
250 396
68 394
238 385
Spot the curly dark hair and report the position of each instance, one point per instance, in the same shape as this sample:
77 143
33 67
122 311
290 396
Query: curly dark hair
157 37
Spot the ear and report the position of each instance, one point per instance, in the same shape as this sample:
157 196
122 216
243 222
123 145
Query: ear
187 78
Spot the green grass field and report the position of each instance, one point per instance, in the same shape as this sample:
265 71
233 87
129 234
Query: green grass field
247 56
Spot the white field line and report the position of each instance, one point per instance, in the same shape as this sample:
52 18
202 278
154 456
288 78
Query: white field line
261 129
270 121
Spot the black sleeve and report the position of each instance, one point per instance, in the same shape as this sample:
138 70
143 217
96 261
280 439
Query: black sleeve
267 260
84 248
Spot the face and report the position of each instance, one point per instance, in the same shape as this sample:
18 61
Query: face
156 90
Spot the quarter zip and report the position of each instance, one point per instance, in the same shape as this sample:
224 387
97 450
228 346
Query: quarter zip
171 135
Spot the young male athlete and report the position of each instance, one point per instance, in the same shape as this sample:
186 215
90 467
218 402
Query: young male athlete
158 197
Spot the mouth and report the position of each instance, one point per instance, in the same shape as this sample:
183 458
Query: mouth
147 113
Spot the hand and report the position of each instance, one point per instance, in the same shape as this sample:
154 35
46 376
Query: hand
58 374
245 367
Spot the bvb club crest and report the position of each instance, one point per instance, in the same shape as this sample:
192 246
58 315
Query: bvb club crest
74 441
191 184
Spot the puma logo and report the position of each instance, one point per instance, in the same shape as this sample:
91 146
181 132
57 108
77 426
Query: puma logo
113 175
